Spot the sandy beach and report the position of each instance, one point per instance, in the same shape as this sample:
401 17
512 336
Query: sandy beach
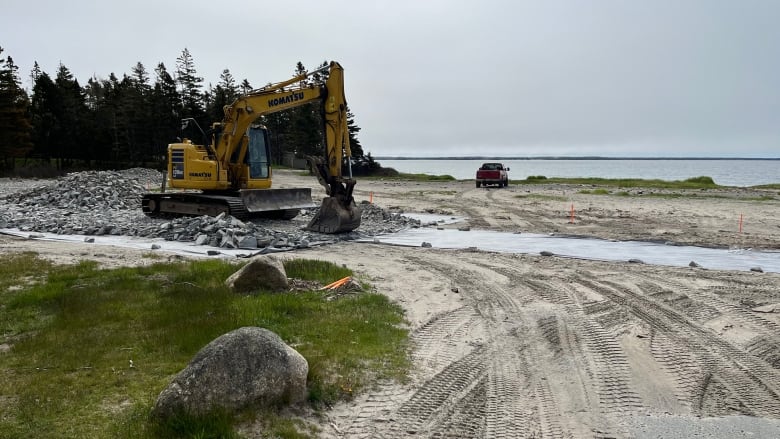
525 345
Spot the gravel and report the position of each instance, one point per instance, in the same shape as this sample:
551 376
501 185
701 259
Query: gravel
94 203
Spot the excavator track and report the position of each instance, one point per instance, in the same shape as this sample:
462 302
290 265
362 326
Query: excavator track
179 204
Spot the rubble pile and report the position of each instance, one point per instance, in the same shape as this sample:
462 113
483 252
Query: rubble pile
108 203
90 190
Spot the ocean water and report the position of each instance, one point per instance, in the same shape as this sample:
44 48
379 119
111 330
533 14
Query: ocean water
724 172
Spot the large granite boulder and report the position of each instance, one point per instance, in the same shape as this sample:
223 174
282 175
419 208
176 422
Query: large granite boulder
261 273
246 367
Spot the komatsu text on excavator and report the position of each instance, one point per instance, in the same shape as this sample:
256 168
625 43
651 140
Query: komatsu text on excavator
233 173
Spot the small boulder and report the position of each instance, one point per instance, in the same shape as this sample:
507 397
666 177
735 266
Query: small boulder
261 273
247 367
247 242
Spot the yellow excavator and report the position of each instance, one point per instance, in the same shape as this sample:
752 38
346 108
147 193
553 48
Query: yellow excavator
233 173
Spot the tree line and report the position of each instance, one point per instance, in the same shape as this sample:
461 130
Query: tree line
129 121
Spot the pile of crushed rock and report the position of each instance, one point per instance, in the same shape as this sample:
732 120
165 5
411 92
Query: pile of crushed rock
109 203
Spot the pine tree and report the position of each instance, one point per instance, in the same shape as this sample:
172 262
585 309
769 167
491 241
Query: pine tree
137 101
165 107
225 93
191 85
354 143
70 133
305 129
15 126
35 73
101 119
245 86
228 83
44 120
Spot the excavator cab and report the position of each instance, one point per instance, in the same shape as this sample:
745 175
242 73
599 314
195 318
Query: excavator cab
254 175
337 213
258 153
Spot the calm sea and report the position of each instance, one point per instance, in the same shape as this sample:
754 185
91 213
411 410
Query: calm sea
724 172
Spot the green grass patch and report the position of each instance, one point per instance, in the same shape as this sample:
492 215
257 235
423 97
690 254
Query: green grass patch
691 183
768 186
599 191
92 348
761 198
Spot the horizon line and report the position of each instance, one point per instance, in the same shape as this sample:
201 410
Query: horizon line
565 158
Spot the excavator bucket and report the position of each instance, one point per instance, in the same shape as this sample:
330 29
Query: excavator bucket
273 200
334 217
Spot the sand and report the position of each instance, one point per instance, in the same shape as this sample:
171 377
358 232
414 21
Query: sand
511 345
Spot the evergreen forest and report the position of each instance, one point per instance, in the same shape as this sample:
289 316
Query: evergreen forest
127 121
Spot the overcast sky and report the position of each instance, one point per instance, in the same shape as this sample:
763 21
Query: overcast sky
450 77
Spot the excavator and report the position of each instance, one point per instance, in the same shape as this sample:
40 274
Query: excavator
232 173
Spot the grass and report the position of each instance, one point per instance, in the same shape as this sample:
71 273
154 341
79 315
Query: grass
671 195
703 182
599 191
92 348
761 198
768 186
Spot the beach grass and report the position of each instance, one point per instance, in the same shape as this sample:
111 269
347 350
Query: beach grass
702 182
89 349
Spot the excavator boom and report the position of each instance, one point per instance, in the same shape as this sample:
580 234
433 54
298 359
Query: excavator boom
233 172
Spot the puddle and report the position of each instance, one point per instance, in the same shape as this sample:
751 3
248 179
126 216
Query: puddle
581 248
527 243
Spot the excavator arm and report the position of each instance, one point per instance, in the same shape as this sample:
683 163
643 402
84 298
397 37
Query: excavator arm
337 212
233 171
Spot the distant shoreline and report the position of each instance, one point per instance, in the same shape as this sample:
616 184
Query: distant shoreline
574 158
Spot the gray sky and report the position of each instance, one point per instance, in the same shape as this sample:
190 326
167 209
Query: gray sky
453 77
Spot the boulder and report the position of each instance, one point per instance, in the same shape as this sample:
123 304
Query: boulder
248 367
261 273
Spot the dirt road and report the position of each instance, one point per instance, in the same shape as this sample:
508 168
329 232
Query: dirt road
528 346
532 346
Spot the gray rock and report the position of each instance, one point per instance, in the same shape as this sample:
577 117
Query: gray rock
261 273
427 245
636 261
693 264
546 253
248 367
201 239
108 203
248 241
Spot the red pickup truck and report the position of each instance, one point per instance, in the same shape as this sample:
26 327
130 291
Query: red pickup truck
492 173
